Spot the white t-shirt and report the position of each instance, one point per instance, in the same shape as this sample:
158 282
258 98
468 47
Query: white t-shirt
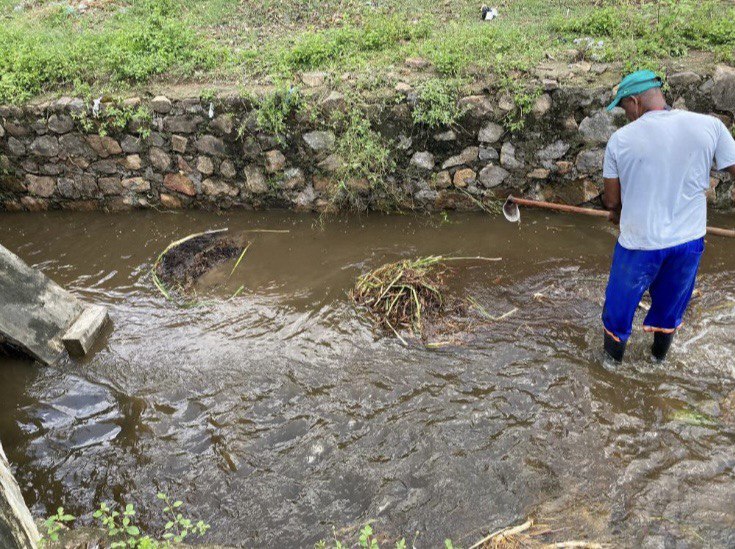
663 161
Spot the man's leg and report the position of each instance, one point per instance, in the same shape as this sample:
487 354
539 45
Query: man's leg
631 274
670 294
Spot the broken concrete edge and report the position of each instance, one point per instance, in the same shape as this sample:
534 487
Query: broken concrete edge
36 313
17 528
85 330
35 310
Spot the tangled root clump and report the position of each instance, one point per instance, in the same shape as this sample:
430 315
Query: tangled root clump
183 262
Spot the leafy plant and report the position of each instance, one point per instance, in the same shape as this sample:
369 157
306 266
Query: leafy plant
436 103
523 101
364 152
179 527
121 532
56 523
120 528
114 118
365 540
275 108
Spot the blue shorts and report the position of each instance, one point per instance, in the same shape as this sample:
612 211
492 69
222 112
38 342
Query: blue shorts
667 274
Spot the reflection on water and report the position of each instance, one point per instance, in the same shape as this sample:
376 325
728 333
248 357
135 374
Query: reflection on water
279 413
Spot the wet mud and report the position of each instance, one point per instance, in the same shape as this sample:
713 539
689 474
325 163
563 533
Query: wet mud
283 412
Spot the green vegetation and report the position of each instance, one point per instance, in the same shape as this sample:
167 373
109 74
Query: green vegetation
436 103
523 101
656 30
365 154
116 118
55 47
56 523
366 539
112 45
121 532
274 109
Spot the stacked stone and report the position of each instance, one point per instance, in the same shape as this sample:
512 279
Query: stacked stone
196 155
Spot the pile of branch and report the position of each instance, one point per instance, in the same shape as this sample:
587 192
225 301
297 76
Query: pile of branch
403 295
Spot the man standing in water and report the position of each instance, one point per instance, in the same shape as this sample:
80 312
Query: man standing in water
656 173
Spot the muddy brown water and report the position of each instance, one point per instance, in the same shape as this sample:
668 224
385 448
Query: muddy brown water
280 413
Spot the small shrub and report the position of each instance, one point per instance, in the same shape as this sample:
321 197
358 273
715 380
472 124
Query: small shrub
600 22
523 101
315 49
436 103
114 119
275 108
449 59
364 151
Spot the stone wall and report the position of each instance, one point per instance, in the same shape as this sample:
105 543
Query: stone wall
195 153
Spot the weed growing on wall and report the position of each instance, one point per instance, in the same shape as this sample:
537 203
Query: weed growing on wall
365 154
114 119
274 110
436 103
523 100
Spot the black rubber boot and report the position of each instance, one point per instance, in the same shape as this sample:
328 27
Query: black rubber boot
614 349
661 345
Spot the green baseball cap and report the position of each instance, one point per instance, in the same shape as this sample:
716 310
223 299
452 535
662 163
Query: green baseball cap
633 84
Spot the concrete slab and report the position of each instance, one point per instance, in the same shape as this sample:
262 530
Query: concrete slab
80 337
34 311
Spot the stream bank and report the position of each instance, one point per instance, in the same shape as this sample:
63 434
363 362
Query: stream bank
311 148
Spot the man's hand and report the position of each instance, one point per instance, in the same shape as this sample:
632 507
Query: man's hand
612 200
614 217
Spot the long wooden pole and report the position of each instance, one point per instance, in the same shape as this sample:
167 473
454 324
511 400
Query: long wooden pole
715 231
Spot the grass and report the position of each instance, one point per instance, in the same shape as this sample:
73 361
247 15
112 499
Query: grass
119 44
436 103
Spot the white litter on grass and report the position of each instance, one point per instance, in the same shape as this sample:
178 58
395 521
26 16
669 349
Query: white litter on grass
488 14
589 42
96 107
211 110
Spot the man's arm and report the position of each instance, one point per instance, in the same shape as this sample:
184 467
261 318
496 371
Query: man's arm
612 200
